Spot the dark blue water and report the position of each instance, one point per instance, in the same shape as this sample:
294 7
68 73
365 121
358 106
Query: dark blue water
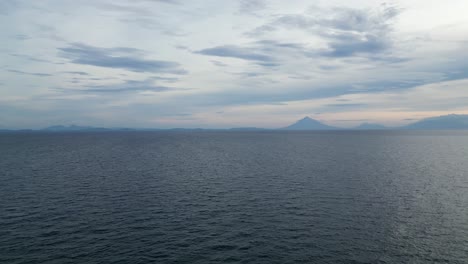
271 197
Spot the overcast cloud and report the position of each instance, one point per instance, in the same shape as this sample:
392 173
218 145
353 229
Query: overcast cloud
266 63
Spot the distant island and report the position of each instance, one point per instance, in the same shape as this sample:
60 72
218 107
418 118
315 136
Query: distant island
308 123
447 122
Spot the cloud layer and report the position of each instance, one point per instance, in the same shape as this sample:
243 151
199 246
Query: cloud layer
120 58
172 63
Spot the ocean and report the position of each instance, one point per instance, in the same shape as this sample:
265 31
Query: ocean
234 197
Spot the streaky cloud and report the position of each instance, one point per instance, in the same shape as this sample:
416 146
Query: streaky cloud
119 58
129 86
218 63
29 58
165 79
236 52
77 73
30 73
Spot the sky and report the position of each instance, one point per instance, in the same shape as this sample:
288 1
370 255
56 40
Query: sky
230 63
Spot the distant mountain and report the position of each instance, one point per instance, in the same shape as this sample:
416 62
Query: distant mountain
73 128
370 126
308 123
441 122
447 122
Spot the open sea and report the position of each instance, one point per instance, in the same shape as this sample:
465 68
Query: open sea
234 197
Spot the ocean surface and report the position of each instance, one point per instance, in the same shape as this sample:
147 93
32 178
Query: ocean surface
234 197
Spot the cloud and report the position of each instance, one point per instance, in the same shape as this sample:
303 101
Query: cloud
77 73
349 44
354 31
148 14
30 58
151 24
347 31
119 58
173 2
251 6
266 53
124 8
30 73
299 77
347 106
294 59
218 63
274 53
8 6
250 74
268 64
236 52
22 37
352 120
128 86
182 47
165 79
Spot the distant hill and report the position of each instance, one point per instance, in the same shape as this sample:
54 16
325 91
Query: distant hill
441 122
447 122
308 123
73 128
370 126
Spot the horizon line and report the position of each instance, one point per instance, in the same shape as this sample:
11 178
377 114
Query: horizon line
320 122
